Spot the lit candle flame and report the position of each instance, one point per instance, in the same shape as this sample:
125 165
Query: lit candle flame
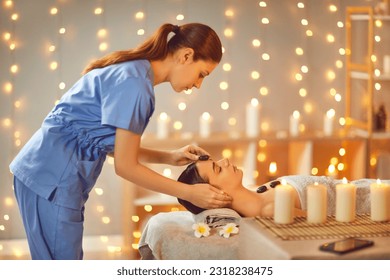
273 168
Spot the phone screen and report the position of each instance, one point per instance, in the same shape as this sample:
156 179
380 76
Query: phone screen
346 245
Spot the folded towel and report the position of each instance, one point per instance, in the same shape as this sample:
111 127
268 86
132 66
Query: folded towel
219 217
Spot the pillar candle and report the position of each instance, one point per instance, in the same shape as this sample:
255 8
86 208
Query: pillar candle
328 122
284 204
252 118
205 125
386 65
380 201
345 201
294 123
162 126
316 203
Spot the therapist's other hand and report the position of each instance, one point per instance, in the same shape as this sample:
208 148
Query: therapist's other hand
186 155
209 197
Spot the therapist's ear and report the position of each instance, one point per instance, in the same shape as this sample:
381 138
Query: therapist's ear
186 55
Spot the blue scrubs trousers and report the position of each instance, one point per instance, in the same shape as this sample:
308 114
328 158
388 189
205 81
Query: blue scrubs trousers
53 232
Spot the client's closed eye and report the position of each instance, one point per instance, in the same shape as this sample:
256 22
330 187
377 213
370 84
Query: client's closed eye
217 169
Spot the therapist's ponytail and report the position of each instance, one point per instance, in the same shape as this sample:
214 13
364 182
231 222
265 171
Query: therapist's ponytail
201 38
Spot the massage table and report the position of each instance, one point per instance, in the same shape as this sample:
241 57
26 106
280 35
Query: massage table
169 236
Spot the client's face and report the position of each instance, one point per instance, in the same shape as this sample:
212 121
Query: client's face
220 173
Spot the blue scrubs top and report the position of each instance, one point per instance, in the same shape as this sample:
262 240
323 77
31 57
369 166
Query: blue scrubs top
62 160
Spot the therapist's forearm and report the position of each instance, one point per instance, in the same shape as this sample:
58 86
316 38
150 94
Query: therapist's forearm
154 156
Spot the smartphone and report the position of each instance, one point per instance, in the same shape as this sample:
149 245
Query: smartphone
346 245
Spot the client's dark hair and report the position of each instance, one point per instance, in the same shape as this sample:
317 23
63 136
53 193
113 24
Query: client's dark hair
191 176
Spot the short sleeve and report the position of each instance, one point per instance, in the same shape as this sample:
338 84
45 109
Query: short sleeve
128 105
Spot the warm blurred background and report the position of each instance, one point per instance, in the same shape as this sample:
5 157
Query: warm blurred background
282 58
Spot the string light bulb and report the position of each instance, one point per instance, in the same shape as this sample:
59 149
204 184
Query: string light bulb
53 11
139 15
98 11
256 43
225 105
229 13
8 4
263 91
227 67
223 85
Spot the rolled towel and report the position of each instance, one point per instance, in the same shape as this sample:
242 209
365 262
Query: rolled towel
219 217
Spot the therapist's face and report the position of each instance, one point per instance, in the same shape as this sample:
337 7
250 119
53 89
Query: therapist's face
220 173
188 73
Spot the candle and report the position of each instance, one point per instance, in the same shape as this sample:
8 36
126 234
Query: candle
380 201
252 118
386 65
163 126
294 123
272 171
204 125
328 122
284 204
316 203
345 202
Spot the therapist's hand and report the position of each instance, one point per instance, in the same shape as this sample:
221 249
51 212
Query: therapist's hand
209 197
186 155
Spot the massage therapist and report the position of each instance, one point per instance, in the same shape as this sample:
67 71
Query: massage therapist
105 113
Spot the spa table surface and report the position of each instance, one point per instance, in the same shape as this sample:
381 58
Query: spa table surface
257 242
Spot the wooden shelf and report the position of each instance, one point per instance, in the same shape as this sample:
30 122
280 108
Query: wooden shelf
366 76
367 17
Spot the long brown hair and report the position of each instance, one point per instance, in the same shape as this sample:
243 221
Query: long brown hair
201 38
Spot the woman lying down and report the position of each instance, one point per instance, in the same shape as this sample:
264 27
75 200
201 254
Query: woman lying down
259 201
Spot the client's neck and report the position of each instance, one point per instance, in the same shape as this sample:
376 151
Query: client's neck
246 202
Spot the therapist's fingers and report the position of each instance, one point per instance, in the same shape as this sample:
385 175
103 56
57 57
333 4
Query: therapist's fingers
221 199
187 154
193 152
209 197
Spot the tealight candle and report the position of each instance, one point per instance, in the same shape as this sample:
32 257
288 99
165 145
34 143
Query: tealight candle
204 125
316 203
162 126
328 122
345 201
294 123
284 204
252 118
380 201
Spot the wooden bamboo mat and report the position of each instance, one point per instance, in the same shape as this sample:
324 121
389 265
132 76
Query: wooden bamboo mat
363 226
